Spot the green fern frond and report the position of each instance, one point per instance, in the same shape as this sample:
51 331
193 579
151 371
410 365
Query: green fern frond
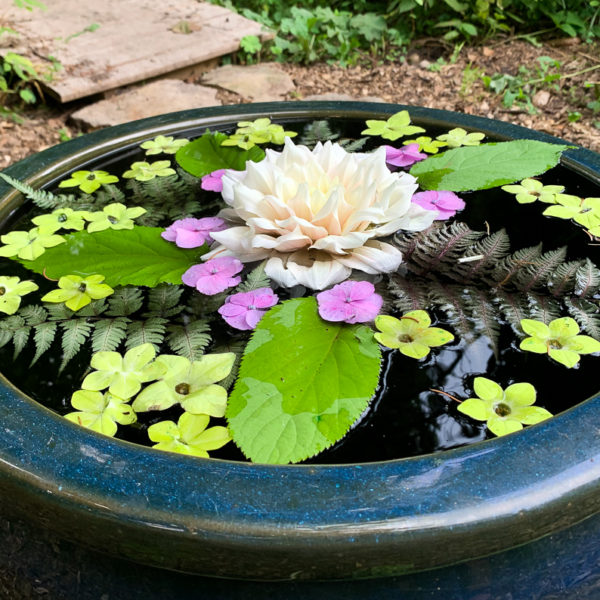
41 198
587 314
142 332
189 340
93 309
255 280
587 279
75 333
205 307
58 312
350 145
109 334
537 274
43 336
34 314
125 301
164 301
317 131
237 347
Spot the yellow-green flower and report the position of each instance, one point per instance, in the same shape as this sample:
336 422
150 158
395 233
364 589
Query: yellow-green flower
585 211
188 436
191 384
411 334
396 126
11 290
123 375
531 190
28 245
426 144
100 412
259 131
504 411
114 216
61 218
559 339
77 292
88 181
459 137
144 171
164 144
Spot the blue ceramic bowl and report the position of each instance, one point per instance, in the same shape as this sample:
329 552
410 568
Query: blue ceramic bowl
247 521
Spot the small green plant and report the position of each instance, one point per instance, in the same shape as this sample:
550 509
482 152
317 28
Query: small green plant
252 47
519 89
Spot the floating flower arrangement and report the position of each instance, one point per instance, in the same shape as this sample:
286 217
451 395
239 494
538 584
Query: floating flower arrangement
257 296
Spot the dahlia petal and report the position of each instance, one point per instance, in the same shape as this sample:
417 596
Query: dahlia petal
374 257
320 275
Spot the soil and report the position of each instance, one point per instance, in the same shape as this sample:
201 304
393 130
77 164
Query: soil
428 76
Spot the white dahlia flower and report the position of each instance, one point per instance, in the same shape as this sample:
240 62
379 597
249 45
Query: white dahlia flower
316 215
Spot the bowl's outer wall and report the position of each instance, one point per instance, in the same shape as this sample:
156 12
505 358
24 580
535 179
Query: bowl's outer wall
278 522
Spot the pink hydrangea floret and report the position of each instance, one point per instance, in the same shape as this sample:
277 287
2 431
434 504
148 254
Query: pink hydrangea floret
403 157
213 182
350 302
192 233
445 203
214 276
246 309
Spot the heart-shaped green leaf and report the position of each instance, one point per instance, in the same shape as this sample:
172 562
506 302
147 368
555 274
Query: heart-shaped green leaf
486 166
302 383
137 256
205 155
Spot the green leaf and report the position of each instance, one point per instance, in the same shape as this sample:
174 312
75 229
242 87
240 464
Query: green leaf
137 256
205 155
302 383
486 166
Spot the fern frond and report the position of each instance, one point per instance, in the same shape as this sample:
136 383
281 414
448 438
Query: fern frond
75 333
58 312
350 145
237 347
125 301
514 307
317 131
506 269
142 332
93 309
537 274
490 248
206 306
436 248
189 340
587 279
163 301
43 336
34 314
41 198
587 314
485 316
451 299
108 334
255 280
408 294
562 281
543 308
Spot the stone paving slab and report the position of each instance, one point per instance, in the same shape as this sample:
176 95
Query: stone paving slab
264 82
157 98
106 44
